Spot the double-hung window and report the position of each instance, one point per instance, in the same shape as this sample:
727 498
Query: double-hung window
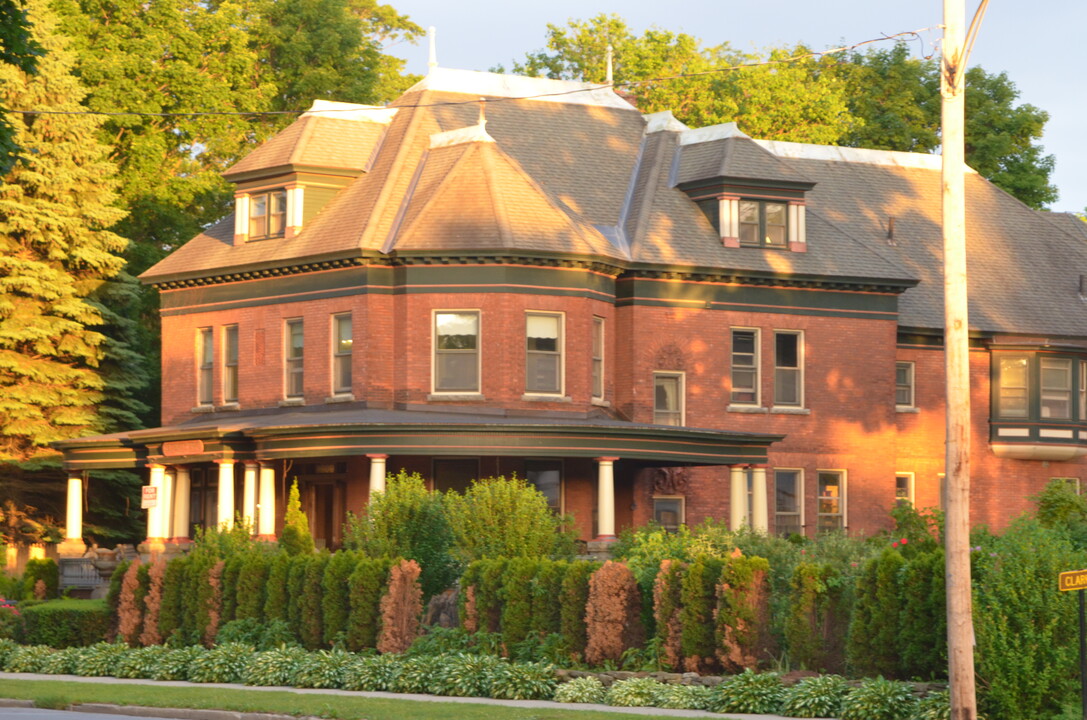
788 502
668 398
598 358
230 364
456 351
763 223
546 476
341 353
904 385
267 214
543 353
205 356
831 500
1056 388
1013 386
904 488
294 344
745 367
788 368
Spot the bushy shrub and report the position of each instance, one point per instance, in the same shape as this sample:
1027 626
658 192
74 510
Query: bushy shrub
879 699
524 681
325 669
7 647
63 623
276 588
129 609
252 578
550 648
214 602
335 596
45 570
378 673
581 690
366 586
810 624
28 659
223 664
400 608
174 665
685 697
152 603
1059 506
816 697
296 589
750 692
573 601
11 620
487 593
667 603
262 636
231 571
100 659
277 667
496 517
517 599
113 594
174 583
411 522
635 692
873 645
612 614
923 618
742 631
311 605
698 590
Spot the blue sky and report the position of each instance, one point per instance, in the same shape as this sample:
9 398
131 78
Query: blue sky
1039 45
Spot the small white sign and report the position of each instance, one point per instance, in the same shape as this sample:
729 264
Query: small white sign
150 497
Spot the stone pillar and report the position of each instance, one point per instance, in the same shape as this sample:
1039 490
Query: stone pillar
154 517
737 498
377 474
605 498
166 503
226 493
266 519
182 497
249 494
73 545
760 512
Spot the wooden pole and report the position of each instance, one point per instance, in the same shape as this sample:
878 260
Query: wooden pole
960 627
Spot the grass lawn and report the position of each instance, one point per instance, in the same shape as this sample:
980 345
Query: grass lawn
59 694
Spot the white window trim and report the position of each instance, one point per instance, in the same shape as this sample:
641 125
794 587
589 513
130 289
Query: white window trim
287 357
799 492
682 393
478 392
561 392
845 495
333 341
913 386
600 325
912 493
1077 485
682 506
757 363
801 348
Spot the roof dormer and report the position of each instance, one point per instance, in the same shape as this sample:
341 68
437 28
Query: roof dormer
751 197
285 182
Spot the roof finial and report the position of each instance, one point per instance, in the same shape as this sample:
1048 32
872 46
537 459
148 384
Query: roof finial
483 112
432 36
607 60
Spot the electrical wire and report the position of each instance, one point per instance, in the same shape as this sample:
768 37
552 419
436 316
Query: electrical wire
911 34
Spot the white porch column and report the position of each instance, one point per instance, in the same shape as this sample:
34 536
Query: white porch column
760 521
377 474
73 524
154 516
166 502
737 498
266 519
605 498
226 493
182 490
249 493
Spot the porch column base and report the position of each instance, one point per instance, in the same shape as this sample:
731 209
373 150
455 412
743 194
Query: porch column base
71 548
600 548
151 547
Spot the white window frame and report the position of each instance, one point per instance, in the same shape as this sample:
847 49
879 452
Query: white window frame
843 499
799 369
911 495
596 376
799 497
1062 394
1001 405
1082 391
289 362
561 352
763 224
757 366
1074 482
682 394
434 351
336 357
682 508
205 366
231 369
911 367
267 197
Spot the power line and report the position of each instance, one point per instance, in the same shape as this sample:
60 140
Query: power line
911 34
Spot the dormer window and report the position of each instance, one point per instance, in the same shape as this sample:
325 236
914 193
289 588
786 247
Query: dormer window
763 223
267 214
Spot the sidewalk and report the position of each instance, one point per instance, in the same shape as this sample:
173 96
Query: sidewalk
230 715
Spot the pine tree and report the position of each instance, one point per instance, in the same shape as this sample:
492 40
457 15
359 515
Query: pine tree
295 538
67 367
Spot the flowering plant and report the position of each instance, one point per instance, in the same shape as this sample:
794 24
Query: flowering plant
11 620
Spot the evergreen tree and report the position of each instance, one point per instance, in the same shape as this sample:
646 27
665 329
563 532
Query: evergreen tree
17 48
67 366
295 538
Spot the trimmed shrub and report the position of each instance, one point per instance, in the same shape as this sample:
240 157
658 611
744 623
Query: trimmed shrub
113 595
546 615
366 586
612 614
666 607
152 603
224 664
488 593
311 624
467 609
231 570
879 699
66 623
750 692
816 697
296 588
873 645
44 570
698 602
635 692
277 667
810 626
174 583
573 601
129 610
742 618
335 596
923 618
517 599
214 602
401 608
252 578
275 604
295 538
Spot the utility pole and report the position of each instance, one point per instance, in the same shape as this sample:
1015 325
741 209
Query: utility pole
960 625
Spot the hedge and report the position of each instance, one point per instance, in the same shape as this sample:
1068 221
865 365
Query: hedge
66 623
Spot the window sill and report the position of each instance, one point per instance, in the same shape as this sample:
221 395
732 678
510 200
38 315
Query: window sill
340 398
600 402
456 397
201 409
291 402
229 407
906 409
747 409
790 411
539 397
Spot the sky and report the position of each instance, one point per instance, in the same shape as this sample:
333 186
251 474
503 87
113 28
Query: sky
1039 44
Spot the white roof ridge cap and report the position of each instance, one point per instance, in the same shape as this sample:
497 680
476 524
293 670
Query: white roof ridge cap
351 111
472 133
710 133
663 121
475 82
838 153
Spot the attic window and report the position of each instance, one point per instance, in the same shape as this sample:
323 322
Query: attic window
763 223
267 214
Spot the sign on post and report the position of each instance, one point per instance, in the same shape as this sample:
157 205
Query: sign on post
1073 580
1077 580
150 497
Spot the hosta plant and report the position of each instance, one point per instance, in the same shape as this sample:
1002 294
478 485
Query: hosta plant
100 659
466 675
879 699
816 697
750 692
64 662
635 692
525 681
376 673
581 690
325 669
278 667
28 659
937 706
223 664
417 673
685 697
141 662
174 665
